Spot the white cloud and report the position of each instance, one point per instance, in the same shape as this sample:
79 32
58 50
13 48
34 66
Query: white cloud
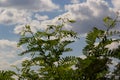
113 45
8 53
36 5
89 14
13 16
4 43
22 12
82 56
18 29
18 62
3 0
33 23
38 24
116 4
39 17
4 65
75 1
20 18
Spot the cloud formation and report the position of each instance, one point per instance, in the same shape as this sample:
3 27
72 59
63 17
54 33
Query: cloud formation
75 1
22 11
34 5
8 53
113 45
13 16
116 4
89 14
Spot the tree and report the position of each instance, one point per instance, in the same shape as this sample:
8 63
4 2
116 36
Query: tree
95 66
46 48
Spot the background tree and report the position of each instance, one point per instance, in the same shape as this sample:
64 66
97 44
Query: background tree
95 66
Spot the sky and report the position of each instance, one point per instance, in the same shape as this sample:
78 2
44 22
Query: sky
15 14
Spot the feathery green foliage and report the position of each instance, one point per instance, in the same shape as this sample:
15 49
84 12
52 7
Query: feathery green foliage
46 48
6 75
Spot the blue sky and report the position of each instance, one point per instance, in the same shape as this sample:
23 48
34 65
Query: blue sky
14 14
